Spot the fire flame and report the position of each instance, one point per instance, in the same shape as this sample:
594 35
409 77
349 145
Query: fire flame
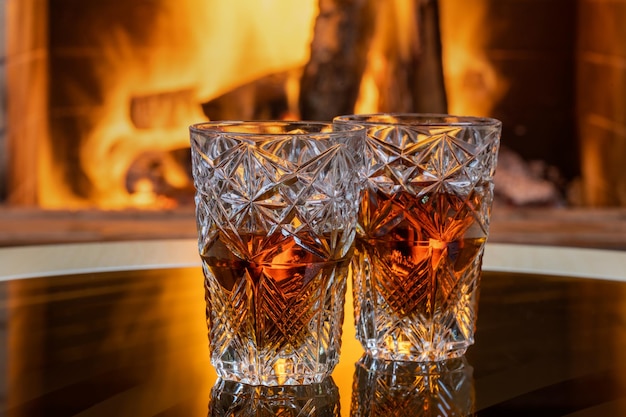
198 50
395 30
473 85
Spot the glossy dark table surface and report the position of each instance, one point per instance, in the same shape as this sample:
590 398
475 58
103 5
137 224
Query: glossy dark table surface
133 343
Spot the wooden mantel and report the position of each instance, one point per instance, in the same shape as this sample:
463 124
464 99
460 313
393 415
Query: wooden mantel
578 227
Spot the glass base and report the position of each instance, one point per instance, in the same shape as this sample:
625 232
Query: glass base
407 352
274 377
236 399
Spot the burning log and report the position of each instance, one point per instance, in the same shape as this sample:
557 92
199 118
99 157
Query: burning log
163 109
395 45
429 94
268 97
331 79
406 63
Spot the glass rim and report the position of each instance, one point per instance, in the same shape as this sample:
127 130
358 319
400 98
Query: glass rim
218 126
417 119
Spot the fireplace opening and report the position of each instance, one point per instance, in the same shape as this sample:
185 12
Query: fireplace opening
100 94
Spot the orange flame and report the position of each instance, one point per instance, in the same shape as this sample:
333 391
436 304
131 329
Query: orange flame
199 47
472 83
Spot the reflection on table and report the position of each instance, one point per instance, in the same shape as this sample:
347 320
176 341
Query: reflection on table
234 399
133 343
387 388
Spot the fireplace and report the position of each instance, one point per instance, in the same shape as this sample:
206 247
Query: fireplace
99 94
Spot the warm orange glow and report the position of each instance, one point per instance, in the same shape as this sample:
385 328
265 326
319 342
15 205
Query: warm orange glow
293 93
473 85
203 48
593 164
395 34
369 92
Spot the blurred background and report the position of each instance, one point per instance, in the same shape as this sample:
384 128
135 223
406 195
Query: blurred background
96 98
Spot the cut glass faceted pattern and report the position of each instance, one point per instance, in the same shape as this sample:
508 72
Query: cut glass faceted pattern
423 222
276 220
420 389
234 399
